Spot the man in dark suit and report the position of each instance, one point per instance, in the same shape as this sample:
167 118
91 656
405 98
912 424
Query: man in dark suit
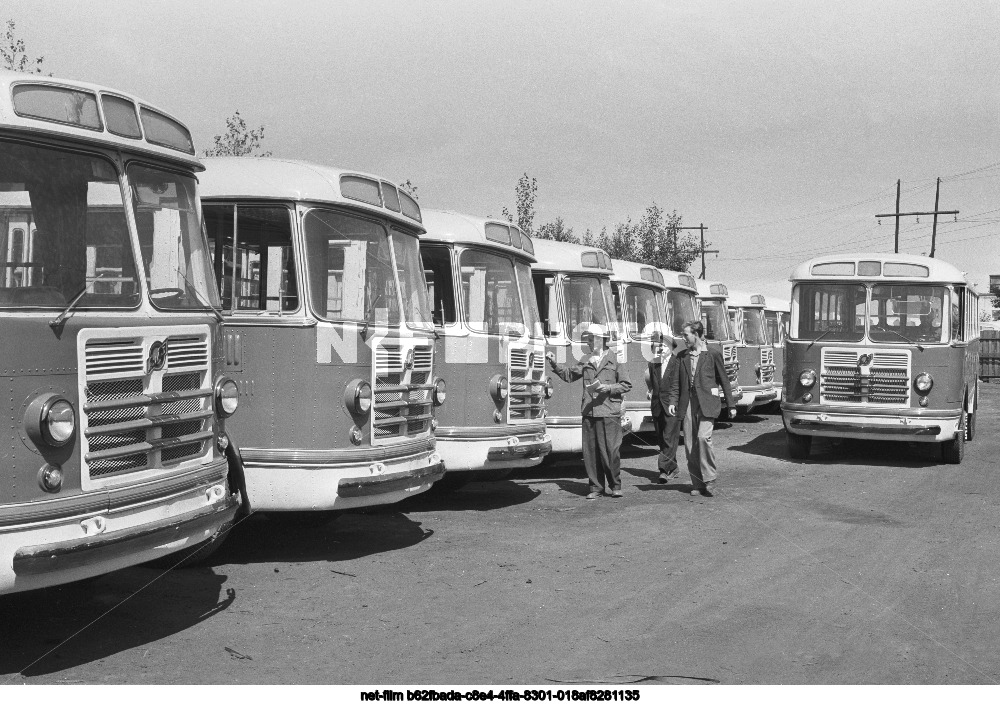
667 427
696 392
604 383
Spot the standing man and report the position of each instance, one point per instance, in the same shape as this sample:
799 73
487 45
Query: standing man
604 383
667 426
696 388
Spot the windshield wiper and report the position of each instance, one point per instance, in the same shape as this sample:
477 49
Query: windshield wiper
193 290
911 342
61 318
819 337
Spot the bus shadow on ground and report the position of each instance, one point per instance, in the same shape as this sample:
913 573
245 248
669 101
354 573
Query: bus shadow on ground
347 536
475 496
51 630
845 451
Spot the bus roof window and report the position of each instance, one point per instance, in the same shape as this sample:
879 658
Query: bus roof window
57 104
121 116
410 208
391 197
902 269
165 131
834 269
358 188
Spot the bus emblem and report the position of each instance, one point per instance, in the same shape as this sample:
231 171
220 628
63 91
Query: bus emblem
157 356
865 360
409 359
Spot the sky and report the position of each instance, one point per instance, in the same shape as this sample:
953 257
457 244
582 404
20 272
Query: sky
782 126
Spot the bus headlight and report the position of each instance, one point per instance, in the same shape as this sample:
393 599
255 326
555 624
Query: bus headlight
499 387
923 383
549 389
50 478
807 378
227 397
358 397
58 422
440 391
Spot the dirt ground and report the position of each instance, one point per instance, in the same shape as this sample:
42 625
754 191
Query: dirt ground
868 563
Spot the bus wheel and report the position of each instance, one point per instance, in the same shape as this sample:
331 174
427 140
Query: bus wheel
798 446
953 451
450 483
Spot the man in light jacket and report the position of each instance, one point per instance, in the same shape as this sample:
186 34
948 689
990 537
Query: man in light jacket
604 383
696 391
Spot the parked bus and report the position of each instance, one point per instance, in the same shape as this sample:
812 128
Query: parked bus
489 346
777 314
638 293
753 349
573 288
718 331
328 333
116 445
884 347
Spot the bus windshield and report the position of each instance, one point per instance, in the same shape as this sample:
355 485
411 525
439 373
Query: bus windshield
834 312
532 318
412 284
490 292
716 320
681 309
66 234
349 268
174 250
775 327
899 312
586 303
754 332
642 315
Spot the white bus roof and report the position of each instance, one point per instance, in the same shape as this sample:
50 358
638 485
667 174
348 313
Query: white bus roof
878 266
570 257
773 303
679 280
293 180
635 273
745 299
708 289
459 228
87 112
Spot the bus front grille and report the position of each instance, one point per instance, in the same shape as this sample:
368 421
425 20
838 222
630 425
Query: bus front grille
731 363
526 375
767 365
865 376
142 411
402 400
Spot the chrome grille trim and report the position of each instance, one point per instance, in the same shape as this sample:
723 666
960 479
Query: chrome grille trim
767 365
139 422
884 382
731 363
526 378
402 400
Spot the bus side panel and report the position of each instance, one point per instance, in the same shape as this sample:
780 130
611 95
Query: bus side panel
289 400
749 358
467 365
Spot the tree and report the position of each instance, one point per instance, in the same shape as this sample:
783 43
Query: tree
410 189
655 240
556 230
15 56
525 193
238 141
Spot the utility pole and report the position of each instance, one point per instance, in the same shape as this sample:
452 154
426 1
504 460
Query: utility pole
701 227
935 213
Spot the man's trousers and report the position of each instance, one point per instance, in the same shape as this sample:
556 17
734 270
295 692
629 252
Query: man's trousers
602 442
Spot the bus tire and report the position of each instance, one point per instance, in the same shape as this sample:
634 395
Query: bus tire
450 483
953 451
798 446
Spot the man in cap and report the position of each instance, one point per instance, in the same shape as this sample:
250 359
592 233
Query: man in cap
604 383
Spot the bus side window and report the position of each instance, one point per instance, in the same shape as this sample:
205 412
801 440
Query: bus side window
959 308
440 283
264 267
545 285
219 222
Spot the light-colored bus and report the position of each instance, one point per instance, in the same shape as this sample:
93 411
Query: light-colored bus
328 331
489 346
115 444
638 292
573 288
753 349
883 347
777 315
719 334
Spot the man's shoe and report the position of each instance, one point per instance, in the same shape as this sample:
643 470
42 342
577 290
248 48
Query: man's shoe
709 489
616 493
664 478
696 492
593 495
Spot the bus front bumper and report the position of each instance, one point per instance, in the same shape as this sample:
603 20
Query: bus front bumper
754 397
284 480
472 448
928 427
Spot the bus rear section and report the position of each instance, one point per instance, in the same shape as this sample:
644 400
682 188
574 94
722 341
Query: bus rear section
882 347
718 330
754 350
638 295
489 346
328 332
573 288
116 443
